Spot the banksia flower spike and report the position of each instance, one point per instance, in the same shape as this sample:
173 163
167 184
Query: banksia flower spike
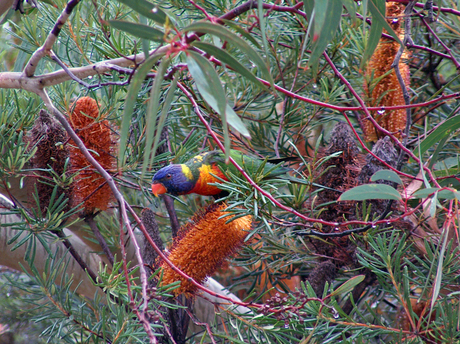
387 91
89 186
48 137
203 245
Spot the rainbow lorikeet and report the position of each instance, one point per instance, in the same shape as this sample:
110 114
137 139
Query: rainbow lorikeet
196 174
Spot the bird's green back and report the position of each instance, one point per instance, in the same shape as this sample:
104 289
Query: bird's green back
250 164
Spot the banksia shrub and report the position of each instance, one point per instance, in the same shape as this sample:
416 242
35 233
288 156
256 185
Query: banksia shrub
387 91
203 245
89 186
49 160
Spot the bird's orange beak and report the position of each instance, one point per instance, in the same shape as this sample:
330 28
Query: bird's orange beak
158 189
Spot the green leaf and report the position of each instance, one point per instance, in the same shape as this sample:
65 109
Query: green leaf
148 10
130 100
380 16
370 191
446 194
424 193
207 81
164 112
208 84
235 121
145 42
229 36
152 111
210 87
434 202
448 163
350 5
138 30
242 32
388 175
377 7
225 57
348 285
308 7
439 273
439 194
441 132
263 32
327 18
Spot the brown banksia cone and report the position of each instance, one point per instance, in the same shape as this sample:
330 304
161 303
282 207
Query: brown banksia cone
387 92
89 186
203 245
49 160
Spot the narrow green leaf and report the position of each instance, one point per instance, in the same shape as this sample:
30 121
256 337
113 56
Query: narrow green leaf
130 101
424 193
433 204
211 89
321 8
442 131
438 278
377 7
446 194
208 83
380 16
308 7
388 175
328 14
263 32
229 36
348 285
152 111
145 42
350 5
138 30
242 32
149 10
164 112
225 57
235 121
370 191
449 163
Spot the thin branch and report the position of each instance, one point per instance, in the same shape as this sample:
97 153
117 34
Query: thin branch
448 50
45 49
89 219
395 65
84 84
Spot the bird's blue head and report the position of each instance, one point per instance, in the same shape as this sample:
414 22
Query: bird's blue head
172 179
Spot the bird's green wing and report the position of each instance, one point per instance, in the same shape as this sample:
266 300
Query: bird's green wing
254 165
251 165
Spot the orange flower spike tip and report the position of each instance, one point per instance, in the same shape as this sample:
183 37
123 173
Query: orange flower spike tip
204 245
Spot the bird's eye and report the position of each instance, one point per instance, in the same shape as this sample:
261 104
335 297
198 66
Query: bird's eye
168 176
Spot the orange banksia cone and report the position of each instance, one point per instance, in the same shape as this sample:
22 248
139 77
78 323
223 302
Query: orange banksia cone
387 91
203 245
89 186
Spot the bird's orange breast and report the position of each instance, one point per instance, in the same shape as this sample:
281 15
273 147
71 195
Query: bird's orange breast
202 186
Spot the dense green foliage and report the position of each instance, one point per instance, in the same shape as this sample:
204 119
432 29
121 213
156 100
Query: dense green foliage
258 81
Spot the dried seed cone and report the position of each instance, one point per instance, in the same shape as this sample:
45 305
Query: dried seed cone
388 91
89 186
203 246
48 136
